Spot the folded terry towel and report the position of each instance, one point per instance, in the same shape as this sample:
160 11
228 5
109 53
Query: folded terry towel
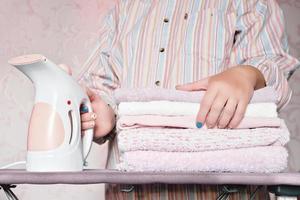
266 94
187 121
258 160
195 140
184 108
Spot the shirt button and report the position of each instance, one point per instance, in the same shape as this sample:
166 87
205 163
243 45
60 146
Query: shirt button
157 83
161 50
186 16
166 20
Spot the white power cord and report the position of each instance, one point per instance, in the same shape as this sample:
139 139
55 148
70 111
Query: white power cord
13 164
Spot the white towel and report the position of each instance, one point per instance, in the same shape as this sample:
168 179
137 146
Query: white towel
184 108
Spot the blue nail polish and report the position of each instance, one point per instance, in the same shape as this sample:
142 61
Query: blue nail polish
199 124
84 109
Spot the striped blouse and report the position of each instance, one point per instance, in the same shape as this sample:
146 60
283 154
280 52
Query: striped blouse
162 43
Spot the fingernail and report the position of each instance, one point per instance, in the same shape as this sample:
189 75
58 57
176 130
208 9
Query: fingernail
84 109
199 124
94 116
209 126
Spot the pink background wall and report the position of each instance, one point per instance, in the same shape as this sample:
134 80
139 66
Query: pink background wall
66 32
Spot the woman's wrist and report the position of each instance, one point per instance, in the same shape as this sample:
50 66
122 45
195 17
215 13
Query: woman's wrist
253 75
102 139
106 121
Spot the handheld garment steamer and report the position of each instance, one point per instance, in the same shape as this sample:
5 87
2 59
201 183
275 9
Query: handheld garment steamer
54 140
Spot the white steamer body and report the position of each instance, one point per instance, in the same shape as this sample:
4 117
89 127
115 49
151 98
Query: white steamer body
54 135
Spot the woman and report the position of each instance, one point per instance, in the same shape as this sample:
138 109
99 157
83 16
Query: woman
228 48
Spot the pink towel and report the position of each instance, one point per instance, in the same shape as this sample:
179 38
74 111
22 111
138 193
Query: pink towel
195 140
187 121
266 94
258 160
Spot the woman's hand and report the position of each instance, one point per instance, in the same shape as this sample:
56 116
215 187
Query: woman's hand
227 96
102 119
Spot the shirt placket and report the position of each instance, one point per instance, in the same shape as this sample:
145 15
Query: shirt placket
164 39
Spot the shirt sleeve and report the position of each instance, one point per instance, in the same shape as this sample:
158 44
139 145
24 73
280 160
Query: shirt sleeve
103 69
261 42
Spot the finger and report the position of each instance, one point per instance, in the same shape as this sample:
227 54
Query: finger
194 86
66 68
87 125
215 110
227 113
88 117
205 107
239 114
91 94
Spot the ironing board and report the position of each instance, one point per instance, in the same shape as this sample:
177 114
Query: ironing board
286 183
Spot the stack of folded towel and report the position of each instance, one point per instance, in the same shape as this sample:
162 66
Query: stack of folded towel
157 132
